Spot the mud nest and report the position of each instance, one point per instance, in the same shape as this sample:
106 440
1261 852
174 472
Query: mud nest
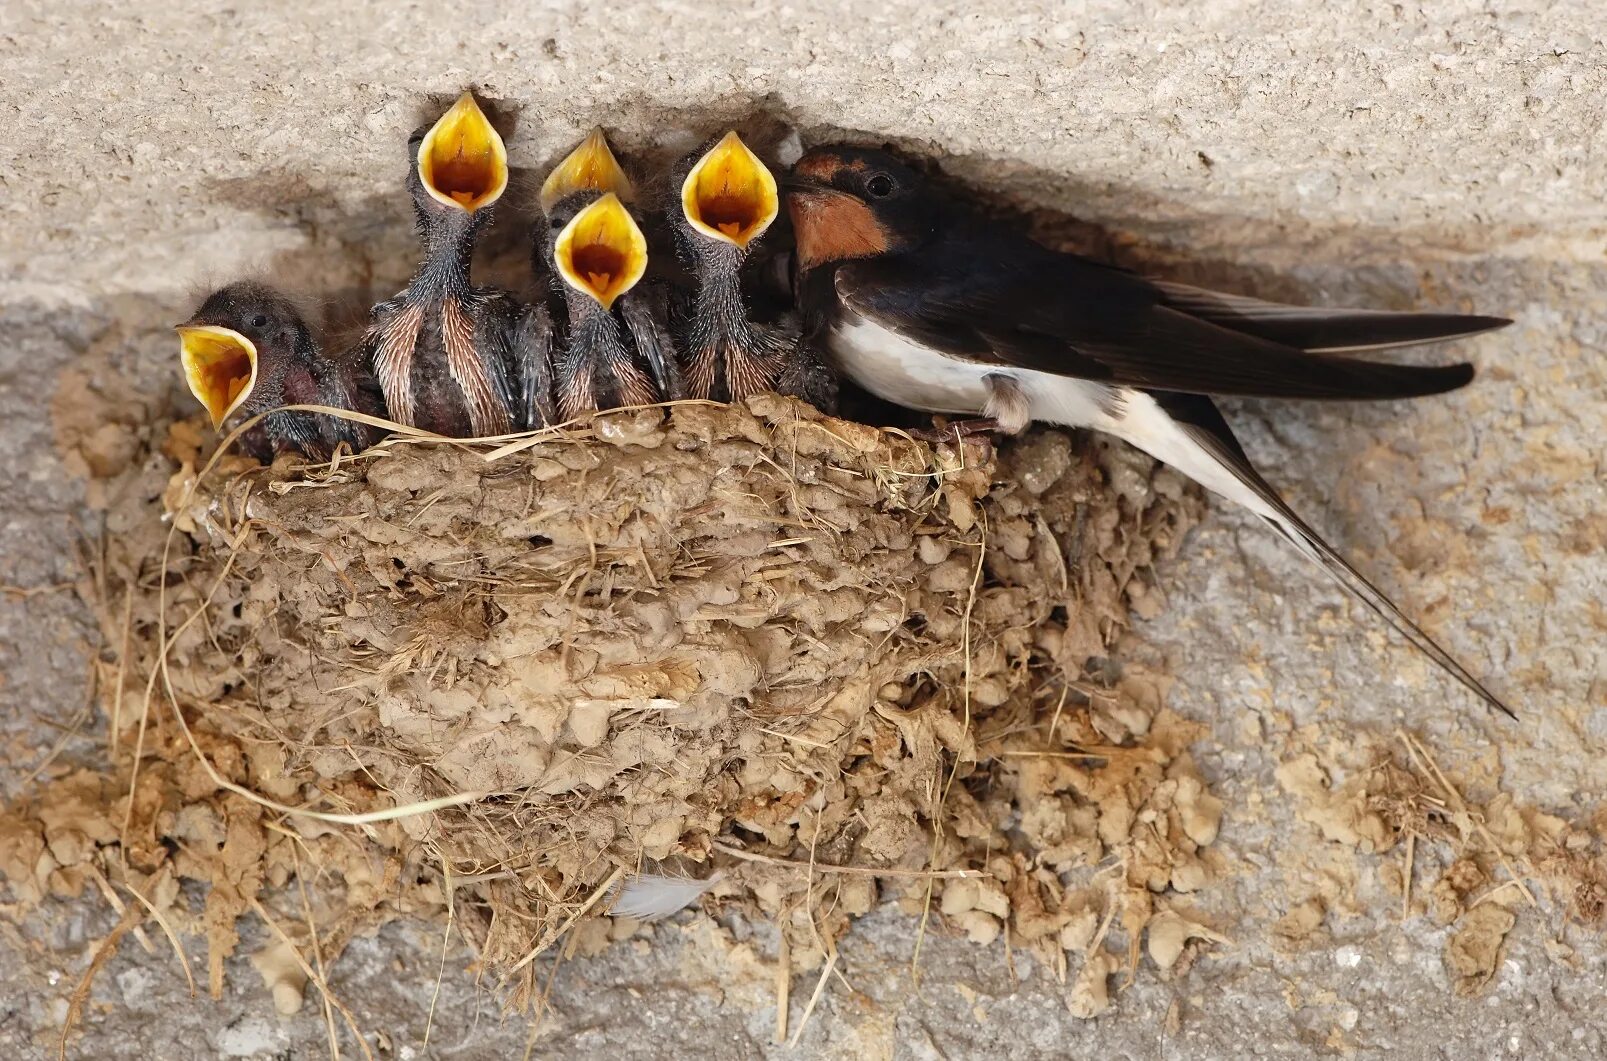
799 666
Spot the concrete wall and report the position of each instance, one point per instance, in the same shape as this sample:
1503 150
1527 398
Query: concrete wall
1435 154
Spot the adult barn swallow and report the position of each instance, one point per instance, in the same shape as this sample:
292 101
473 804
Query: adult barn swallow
598 253
929 306
247 350
444 350
728 198
592 167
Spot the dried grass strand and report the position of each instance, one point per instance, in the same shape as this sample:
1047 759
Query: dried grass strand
554 936
863 871
103 953
1425 763
167 930
446 937
814 997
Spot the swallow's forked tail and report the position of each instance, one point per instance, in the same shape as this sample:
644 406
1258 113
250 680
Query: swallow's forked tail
1189 433
1319 329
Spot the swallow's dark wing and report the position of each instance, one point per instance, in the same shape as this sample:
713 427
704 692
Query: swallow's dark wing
1201 421
307 381
299 432
497 318
1319 329
344 383
805 375
1020 305
531 369
646 314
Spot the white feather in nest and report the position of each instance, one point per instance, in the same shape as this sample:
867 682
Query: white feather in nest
654 896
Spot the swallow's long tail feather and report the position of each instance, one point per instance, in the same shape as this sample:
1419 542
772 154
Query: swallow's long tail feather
1189 433
1317 329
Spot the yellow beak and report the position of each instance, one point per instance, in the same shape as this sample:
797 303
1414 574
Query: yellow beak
730 195
601 252
220 365
591 165
462 160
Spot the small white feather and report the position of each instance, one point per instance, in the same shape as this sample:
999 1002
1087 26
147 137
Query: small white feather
653 896
790 149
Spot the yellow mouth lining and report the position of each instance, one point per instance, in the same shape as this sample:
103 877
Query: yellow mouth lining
220 365
730 195
602 251
462 160
591 165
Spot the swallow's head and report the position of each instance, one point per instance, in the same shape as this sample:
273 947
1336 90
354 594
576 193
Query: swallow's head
240 332
592 165
855 202
459 164
728 198
598 249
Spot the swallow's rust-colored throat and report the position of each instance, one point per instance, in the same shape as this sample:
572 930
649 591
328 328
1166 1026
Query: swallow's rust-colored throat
833 227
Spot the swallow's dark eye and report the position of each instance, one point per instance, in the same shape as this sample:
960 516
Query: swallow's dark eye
879 185
259 321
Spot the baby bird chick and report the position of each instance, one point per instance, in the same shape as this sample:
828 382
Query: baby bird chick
247 350
642 309
442 349
727 200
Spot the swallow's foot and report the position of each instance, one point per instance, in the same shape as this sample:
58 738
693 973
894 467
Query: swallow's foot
978 431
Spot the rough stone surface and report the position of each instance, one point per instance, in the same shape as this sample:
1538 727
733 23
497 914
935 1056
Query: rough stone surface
1436 154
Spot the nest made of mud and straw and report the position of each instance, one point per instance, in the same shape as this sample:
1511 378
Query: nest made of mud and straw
837 664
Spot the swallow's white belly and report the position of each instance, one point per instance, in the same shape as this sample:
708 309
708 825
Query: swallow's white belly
909 374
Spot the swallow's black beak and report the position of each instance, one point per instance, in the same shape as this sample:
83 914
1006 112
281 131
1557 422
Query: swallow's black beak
797 182
796 186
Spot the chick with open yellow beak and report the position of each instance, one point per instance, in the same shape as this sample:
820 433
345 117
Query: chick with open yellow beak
591 166
590 378
598 254
220 365
445 352
728 199
248 350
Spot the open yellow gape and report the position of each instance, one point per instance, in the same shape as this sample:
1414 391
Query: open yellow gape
729 195
220 365
462 160
591 165
602 251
